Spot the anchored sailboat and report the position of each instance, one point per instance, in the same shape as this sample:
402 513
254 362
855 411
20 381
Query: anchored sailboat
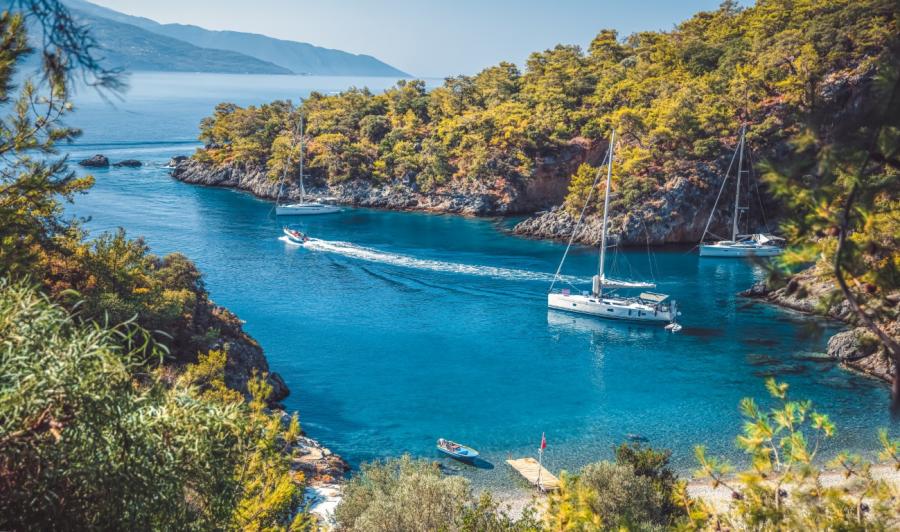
302 207
754 245
602 300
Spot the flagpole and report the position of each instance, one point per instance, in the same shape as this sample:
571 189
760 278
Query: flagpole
540 462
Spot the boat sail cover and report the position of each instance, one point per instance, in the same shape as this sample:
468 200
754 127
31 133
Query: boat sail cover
616 283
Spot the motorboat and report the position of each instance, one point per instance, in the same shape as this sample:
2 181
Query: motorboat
295 236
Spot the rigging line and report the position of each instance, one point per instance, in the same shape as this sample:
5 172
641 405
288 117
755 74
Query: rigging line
580 219
651 257
762 209
712 212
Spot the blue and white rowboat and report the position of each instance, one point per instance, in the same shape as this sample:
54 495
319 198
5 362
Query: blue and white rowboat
456 450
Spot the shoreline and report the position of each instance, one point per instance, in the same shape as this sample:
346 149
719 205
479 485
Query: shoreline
718 497
850 348
538 201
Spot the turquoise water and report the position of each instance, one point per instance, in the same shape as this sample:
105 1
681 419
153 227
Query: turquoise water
400 328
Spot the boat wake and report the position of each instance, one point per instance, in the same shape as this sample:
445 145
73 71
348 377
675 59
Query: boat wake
373 255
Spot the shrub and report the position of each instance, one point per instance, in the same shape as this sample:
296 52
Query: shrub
85 443
404 494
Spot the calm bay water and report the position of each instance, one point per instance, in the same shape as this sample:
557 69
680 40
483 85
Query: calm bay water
403 327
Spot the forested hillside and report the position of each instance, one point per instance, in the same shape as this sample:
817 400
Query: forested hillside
512 138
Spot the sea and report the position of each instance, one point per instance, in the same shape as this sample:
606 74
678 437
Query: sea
394 329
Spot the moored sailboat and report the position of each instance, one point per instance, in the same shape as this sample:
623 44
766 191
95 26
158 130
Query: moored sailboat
602 301
302 207
748 245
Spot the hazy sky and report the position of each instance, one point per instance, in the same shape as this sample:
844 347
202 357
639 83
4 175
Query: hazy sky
422 37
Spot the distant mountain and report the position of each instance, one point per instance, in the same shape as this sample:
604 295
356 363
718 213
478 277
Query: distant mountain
125 45
296 57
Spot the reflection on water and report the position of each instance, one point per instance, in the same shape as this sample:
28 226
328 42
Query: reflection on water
600 329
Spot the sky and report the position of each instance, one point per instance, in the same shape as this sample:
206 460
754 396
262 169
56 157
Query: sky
425 38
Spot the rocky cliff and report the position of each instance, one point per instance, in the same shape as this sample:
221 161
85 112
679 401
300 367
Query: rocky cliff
244 356
546 187
676 213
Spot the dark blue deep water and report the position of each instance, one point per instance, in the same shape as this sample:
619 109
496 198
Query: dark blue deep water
404 327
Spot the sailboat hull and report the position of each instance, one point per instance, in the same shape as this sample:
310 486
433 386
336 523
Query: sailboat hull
305 209
610 308
738 250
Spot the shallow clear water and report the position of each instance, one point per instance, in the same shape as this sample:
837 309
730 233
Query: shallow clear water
399 328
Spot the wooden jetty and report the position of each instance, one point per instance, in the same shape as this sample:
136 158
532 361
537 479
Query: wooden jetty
535 474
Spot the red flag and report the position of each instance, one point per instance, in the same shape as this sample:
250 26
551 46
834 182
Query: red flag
543 441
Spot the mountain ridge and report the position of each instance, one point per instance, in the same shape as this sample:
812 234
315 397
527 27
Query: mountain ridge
293 56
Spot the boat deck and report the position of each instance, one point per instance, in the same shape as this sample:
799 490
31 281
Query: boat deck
531 471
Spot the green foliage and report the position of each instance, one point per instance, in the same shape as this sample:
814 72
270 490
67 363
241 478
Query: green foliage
638 492
841 179
402 495
581 187
653 465
677 99
85 442
412 495
784 488
91 436
114 279
31 181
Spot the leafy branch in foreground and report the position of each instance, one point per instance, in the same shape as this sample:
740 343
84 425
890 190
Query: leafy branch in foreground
841 184
784 488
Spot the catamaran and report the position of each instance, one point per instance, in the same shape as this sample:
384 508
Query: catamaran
302 207
602 301
748 245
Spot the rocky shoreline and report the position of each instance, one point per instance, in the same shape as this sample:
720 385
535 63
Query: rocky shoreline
676 213
855 349
662 219
548 186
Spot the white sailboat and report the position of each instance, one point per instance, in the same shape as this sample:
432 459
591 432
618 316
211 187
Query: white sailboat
752 245
302 207
602 301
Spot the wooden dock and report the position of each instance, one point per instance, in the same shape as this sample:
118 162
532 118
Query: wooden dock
535 474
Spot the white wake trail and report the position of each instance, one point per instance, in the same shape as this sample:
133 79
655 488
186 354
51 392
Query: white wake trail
373 255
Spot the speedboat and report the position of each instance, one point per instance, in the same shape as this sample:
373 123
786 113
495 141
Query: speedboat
456 450
295 236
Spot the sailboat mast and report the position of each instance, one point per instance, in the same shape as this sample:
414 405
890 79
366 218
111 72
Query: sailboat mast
737 192
302 188
600 267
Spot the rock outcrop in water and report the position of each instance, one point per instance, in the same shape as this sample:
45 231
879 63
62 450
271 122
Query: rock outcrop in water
857 348
128 163
96 161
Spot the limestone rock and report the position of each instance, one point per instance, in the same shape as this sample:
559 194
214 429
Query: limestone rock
97 161
859 350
